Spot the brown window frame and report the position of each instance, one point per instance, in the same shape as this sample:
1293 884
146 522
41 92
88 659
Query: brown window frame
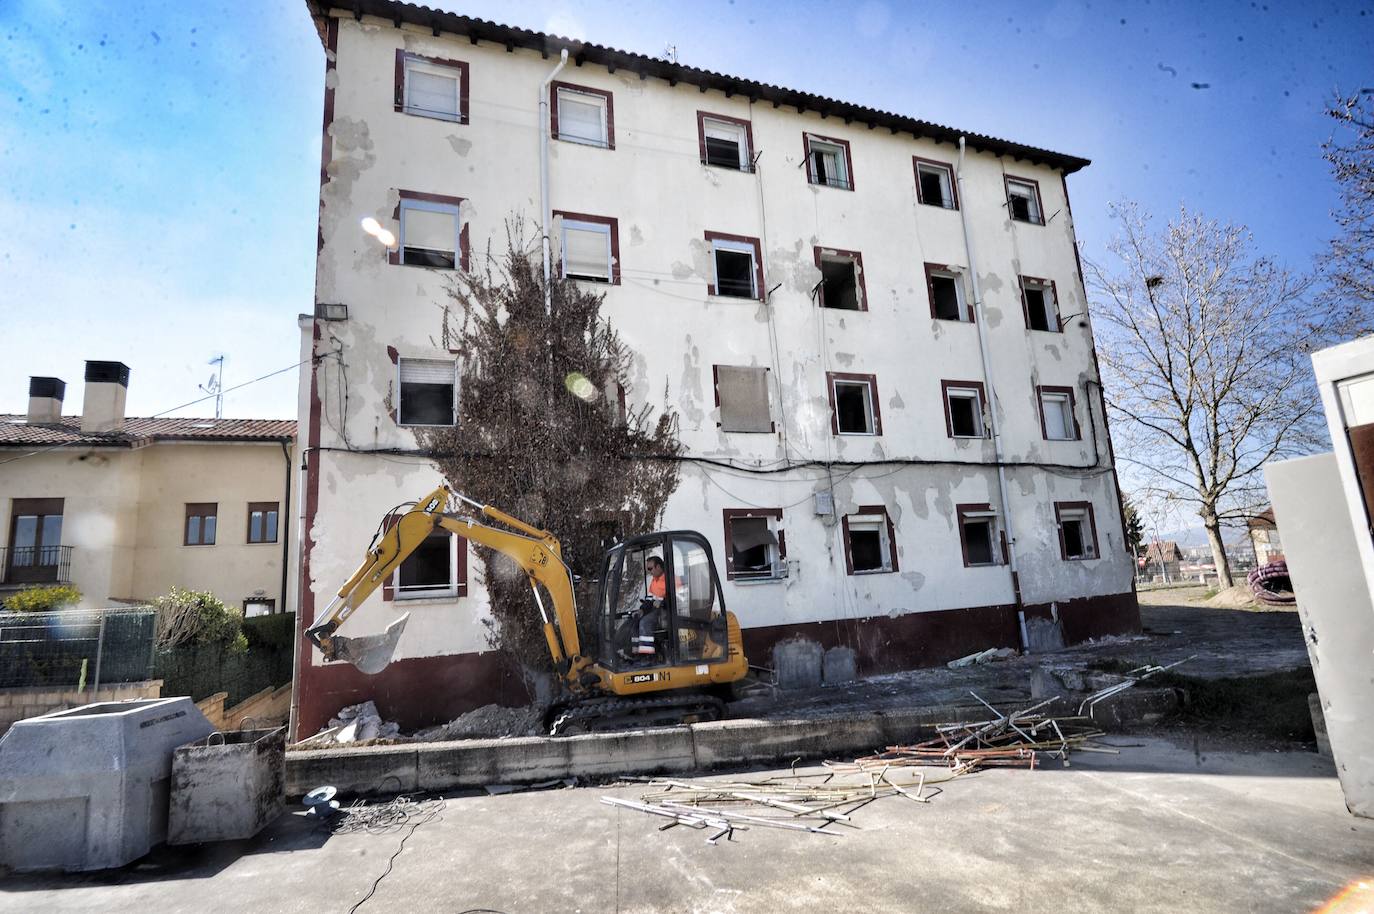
854 377
394 257
609 221
1087 507
891 540
945 386
957 272
916 163
460 571
961 513
715 390
1039 199
730 514
264 506
460 65
1053 289
762 292
609 96
807 137
703 117
1040 391
36 571
196 509
861 289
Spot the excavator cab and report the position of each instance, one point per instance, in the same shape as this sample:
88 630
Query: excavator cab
689 622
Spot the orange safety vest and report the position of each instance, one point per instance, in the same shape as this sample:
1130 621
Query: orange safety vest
658 587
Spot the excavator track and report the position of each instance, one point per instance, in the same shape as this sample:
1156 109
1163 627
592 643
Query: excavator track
600 715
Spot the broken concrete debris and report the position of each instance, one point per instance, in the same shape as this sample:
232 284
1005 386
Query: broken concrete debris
988 656
486 722
359 722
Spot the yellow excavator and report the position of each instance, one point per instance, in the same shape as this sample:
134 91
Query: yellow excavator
696 647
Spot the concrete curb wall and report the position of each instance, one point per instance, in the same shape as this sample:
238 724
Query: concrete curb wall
474 763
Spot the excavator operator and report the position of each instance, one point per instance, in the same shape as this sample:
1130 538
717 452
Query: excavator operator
651 607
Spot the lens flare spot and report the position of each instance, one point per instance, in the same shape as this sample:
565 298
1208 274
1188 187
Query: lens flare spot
580 386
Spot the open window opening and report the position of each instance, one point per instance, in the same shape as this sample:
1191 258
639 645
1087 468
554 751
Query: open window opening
855 400
430 570
841 284
1077 530
827 162
935 185
725 144
946 294
868 541
428 392
742 395
1042 311
755 545
736 271
1023 201
964 408
979 535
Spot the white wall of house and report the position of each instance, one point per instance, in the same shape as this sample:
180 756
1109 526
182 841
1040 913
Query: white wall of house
664 200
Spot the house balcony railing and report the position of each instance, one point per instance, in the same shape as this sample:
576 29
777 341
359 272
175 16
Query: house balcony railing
35 564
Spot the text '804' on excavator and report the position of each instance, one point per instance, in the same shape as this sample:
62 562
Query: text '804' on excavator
667 649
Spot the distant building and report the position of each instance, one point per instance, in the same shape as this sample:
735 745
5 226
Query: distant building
1264 537
126 508
1161 561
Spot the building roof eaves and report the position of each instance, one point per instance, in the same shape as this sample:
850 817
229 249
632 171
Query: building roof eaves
585 52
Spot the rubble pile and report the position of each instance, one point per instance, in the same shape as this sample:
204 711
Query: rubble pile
486 722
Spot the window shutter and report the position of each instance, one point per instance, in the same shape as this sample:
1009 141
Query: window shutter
432 92
579 118
1056 422
743 399
427 371
432 231
586 252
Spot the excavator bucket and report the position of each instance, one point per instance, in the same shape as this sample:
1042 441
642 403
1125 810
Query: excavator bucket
370 653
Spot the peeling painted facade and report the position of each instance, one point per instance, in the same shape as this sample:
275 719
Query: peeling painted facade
665 200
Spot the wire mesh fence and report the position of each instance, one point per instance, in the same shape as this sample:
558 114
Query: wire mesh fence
76 648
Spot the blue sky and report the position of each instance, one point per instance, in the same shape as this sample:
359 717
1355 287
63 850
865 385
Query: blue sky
159 165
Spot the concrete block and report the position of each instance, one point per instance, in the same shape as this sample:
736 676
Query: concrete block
838 666
1049 681
227 786
366 770
736 742
1314 704
87 788
1043 636
797 663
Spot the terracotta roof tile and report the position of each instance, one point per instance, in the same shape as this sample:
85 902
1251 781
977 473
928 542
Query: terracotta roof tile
16 432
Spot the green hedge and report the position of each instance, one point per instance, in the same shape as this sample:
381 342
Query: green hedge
202 670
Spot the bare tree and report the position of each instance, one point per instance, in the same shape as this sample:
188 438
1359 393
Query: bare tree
1349 264
1205 354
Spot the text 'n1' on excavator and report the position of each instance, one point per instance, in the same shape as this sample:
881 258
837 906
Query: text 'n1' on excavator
685 676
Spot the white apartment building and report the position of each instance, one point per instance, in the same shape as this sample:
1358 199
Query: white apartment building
851 324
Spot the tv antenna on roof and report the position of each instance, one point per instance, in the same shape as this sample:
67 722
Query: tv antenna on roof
215 386
670 52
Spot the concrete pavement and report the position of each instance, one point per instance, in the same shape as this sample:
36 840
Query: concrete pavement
1159 828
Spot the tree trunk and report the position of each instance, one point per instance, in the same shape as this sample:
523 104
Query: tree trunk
1213 528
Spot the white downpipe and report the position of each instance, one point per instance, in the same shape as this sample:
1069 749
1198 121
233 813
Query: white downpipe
545 208
980 322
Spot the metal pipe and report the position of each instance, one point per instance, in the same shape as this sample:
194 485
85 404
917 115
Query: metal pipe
284 518
980 323
545 210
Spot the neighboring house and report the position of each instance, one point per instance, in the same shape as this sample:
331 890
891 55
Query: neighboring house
793 270
1264 537
1162 560
126 508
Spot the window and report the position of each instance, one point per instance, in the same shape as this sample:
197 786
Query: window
258 606
438 568
979 537
1057 419
582 115
1077 530
35 553
201 520
590 246
428 392
755 546
431 231
726 142
935 183
1040 303
1023 200
262 521
827 162
742 395
736 265
946 289
854 404
869 541
842 279
432 87
964 408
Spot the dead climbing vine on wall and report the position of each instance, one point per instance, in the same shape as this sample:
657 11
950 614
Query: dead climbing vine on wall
543 432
